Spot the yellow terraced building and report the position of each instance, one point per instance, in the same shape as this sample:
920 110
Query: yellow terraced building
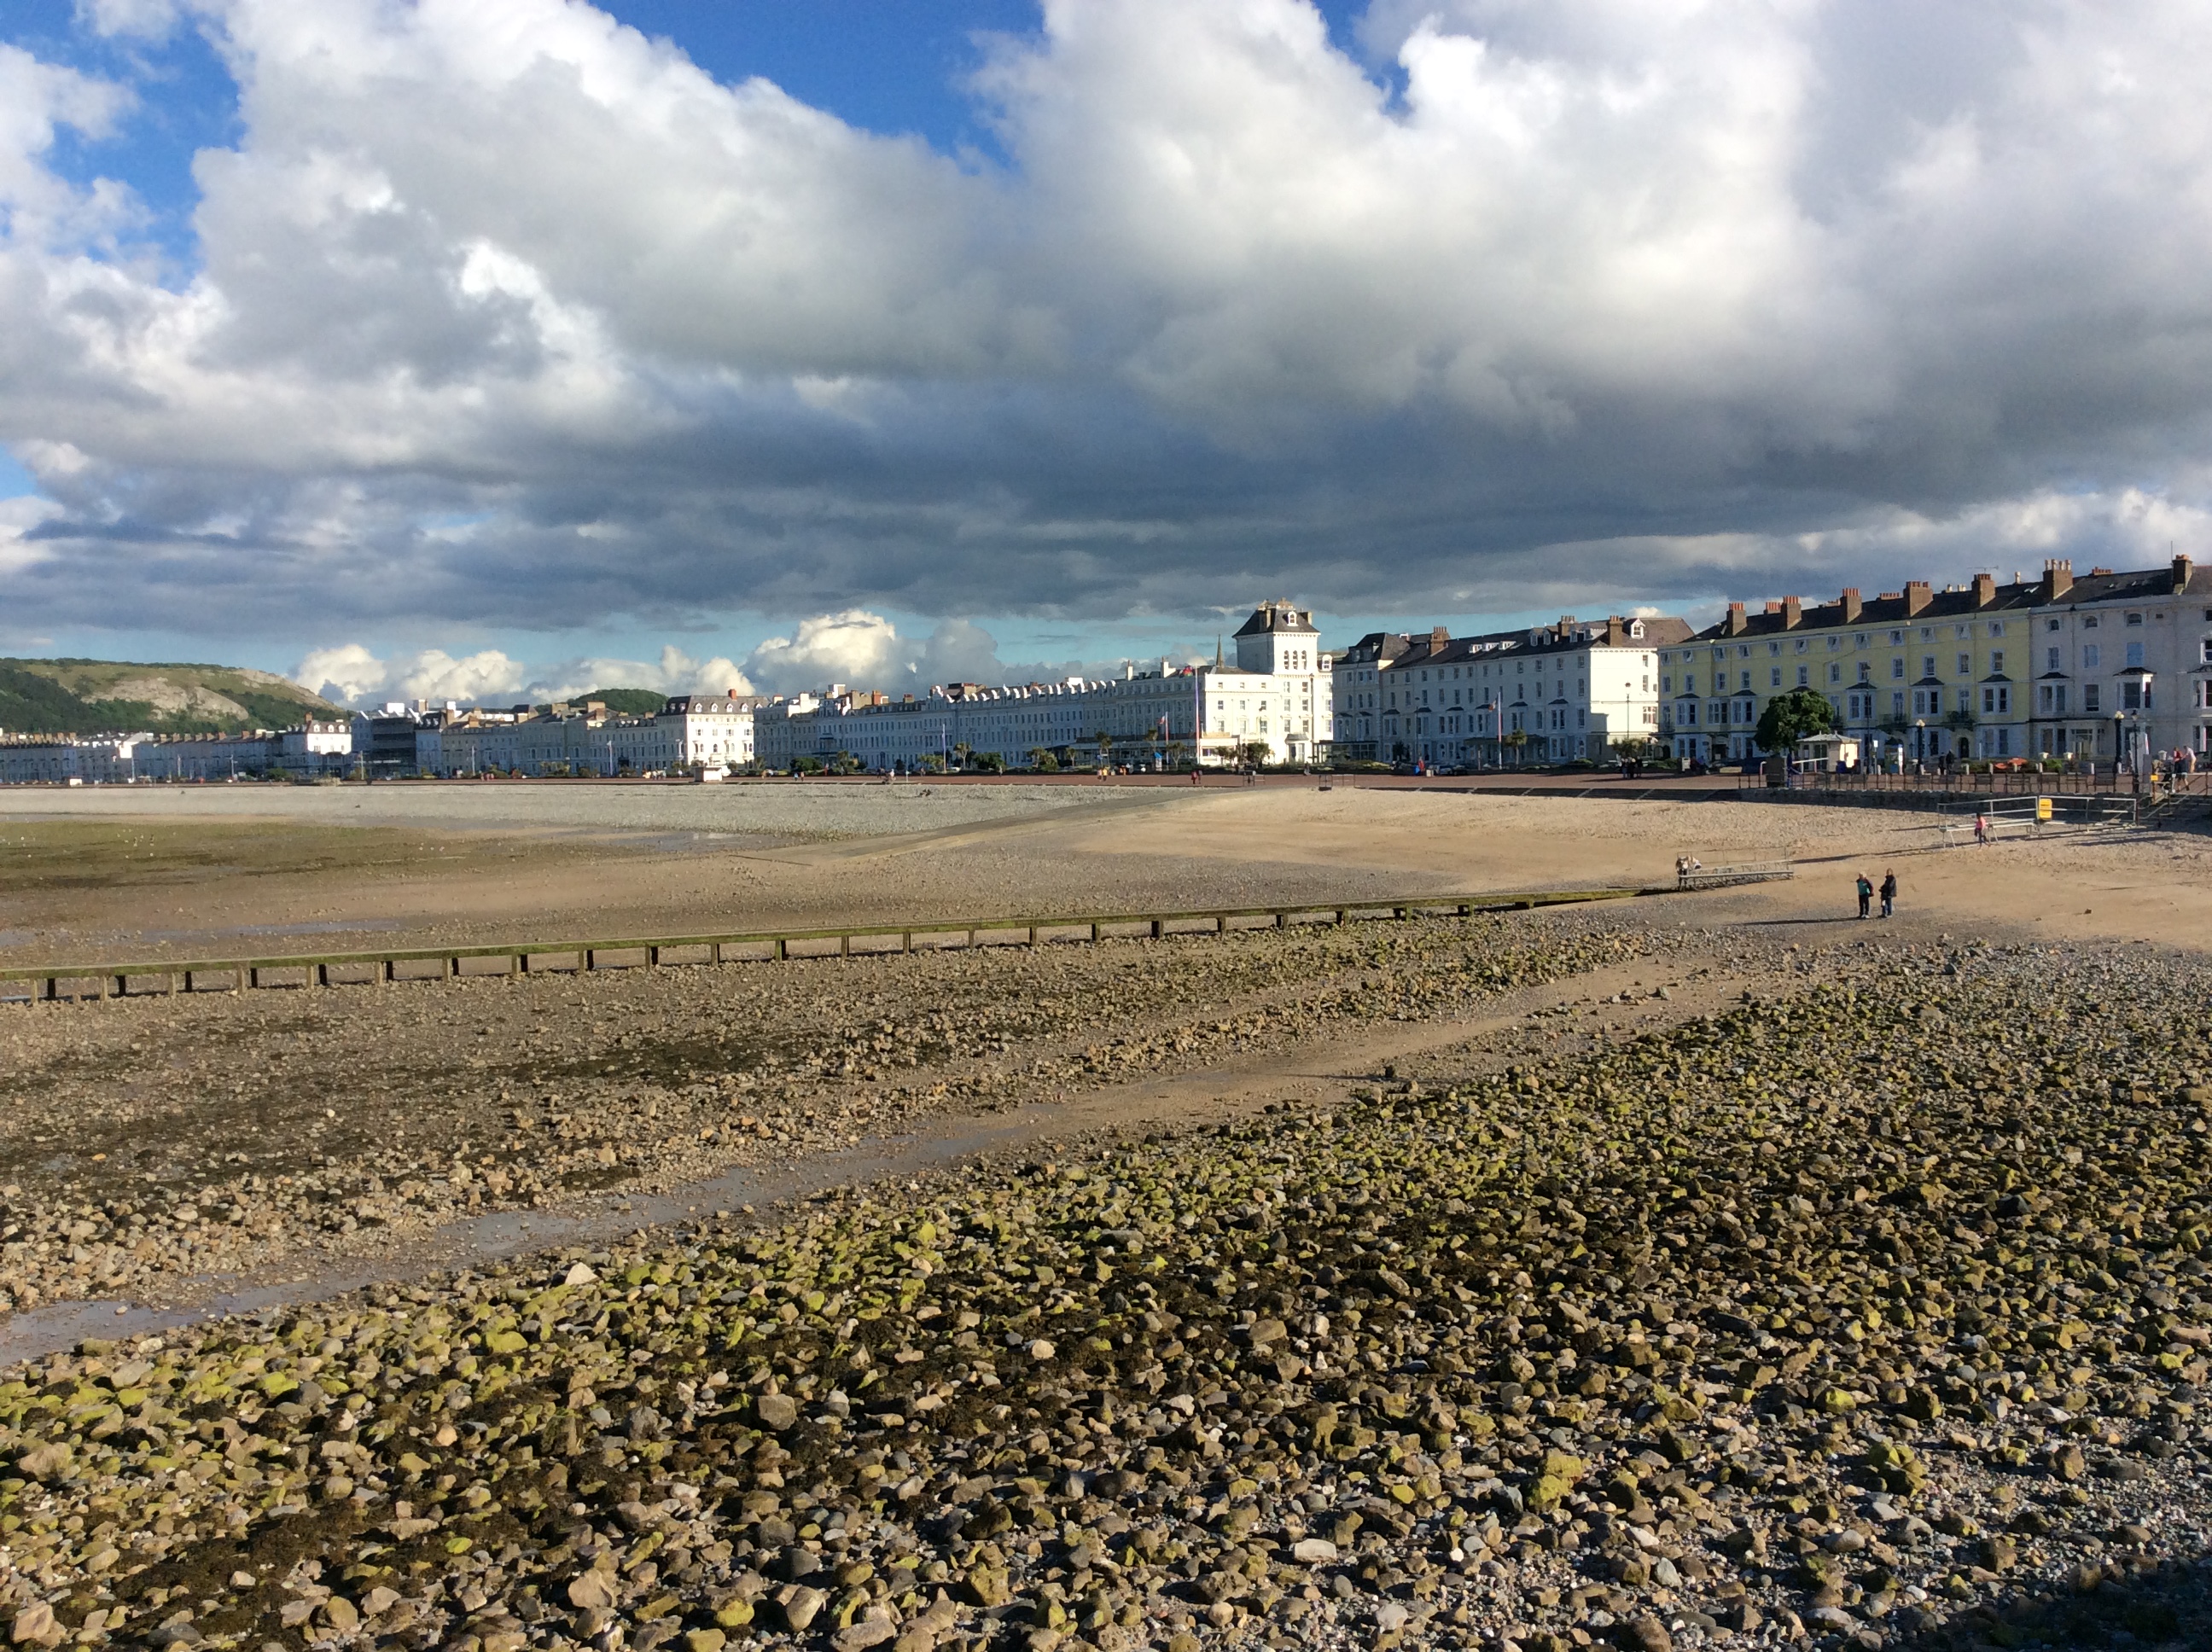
1934 671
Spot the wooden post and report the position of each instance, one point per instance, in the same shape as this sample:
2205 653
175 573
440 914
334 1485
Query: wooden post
1094 931
652 957
783 951
845 945
123 986
1159 928
387 973
1033 934
590 958
906 941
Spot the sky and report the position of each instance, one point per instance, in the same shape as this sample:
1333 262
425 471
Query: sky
467 347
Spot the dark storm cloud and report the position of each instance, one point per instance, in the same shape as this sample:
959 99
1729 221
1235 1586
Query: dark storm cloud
510 318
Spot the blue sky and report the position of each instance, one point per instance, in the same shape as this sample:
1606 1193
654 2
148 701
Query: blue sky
1059 337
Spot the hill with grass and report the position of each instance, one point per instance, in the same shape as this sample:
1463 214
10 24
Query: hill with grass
631 702
95 696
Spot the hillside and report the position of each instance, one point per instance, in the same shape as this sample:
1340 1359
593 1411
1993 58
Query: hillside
88 696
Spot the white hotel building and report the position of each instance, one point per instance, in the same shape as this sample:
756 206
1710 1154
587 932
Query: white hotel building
1551 694
691 731
1275 696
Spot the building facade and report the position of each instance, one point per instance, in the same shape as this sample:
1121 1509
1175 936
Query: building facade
2088 670
1272 700
313 749
1551 694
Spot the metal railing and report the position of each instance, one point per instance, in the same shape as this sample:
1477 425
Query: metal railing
166 977
2023 782
1695 876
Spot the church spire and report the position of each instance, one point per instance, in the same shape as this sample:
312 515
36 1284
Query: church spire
1217 651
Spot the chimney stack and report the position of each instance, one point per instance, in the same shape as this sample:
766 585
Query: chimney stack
1986 590
1793 613
1852 606
1737 623
2181 572
2057 578
1918 595
1437 637
1616 630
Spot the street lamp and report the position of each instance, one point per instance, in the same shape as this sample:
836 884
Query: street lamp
1919 740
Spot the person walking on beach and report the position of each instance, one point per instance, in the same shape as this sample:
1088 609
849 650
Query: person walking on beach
1981 831
1866 895
1888 893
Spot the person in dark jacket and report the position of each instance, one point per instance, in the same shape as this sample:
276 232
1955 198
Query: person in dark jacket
1888 893
1866 895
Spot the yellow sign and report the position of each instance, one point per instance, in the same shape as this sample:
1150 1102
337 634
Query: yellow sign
2042 809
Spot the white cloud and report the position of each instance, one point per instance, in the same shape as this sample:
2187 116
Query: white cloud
356 674
1769 288
350 673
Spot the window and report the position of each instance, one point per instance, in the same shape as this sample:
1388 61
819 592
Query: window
1896 670
1866 671
2050 659
1802 680
2053 624
1897 703
1746 681
2134 619
1996 698
2134 654
1860 639
2090 697
1996 662
1966 664
1997 628
1835 673
2205 650
1774 677
2089 657
2088 622
2131 695
1927 665
1773 647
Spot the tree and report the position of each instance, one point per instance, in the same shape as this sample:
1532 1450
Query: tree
1789 717
987 762
1517 739
960 750
1042 760
1253 753
1105 749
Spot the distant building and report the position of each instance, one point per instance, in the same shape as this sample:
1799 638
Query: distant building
1550 694
1272 700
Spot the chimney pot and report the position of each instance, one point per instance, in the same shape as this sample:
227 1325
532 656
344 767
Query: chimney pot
2057 578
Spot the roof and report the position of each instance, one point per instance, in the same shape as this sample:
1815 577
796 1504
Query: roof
1280 617
1659 631
2181 577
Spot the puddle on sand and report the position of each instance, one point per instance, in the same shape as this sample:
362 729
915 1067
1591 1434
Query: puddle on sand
499 1235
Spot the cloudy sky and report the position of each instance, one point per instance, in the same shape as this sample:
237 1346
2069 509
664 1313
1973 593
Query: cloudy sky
467 345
